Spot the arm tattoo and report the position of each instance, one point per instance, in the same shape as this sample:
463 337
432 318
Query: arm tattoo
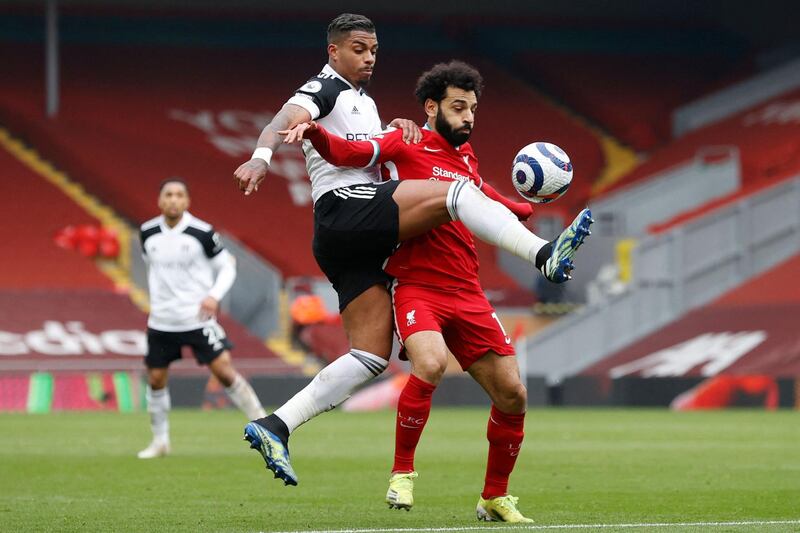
288 117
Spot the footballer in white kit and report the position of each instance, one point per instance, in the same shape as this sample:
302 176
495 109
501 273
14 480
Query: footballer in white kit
189 272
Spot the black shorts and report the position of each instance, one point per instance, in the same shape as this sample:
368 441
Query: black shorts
355 230
164 347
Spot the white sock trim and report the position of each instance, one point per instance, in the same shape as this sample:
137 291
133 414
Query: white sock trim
372 362
452 198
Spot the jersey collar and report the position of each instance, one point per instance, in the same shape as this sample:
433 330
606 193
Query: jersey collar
328 70
179 227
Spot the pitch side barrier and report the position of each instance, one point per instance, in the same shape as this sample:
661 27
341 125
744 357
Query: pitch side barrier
673 272
254 299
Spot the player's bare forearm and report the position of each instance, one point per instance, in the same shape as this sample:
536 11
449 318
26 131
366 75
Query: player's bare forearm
287 118
250 174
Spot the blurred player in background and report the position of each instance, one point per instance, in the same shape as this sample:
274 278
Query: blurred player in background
358 221
438 300
189 272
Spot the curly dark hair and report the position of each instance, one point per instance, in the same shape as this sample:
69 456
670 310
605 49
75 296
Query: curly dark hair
433 84
347 22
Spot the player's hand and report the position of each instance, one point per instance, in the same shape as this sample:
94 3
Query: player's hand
250 175
208 308
523 210
411 132
296 134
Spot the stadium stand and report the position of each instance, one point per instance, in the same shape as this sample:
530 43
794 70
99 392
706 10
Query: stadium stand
766 135
739 350
631 96
32 211
202 134
66 325
674 272
747 331
703 171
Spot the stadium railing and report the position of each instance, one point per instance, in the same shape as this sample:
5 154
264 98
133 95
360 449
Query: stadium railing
673 272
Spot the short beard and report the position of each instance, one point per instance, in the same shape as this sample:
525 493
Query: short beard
451 136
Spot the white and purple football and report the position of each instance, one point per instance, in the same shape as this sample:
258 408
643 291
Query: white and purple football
542 172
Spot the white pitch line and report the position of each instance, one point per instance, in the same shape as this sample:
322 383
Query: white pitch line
553 526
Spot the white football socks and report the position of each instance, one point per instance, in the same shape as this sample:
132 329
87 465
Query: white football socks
244 397
491 221
158 405
330 387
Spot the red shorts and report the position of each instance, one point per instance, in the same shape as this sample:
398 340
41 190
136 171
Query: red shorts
465 319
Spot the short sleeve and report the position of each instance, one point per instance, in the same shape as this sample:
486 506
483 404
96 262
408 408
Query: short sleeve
209 239
212 244
146 233
318 95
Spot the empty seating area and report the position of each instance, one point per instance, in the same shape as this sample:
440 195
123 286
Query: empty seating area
630 95
765 137
57 309
32 211
121 137
134 114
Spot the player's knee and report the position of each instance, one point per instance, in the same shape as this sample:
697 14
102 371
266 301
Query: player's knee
431 369
514 399
157 380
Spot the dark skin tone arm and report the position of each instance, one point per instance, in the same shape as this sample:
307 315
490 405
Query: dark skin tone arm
249 175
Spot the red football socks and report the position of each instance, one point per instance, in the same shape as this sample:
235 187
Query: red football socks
413 410
504 433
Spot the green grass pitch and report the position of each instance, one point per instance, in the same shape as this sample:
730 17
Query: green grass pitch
78 472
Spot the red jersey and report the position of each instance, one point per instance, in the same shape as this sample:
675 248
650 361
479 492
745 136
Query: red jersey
444 257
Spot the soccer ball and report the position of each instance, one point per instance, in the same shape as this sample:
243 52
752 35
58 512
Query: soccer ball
542 172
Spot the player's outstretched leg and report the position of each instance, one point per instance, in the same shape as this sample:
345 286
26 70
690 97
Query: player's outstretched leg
558 267
401 490
501 509
272 448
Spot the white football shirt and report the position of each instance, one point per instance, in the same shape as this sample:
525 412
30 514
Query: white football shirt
343 110
185 264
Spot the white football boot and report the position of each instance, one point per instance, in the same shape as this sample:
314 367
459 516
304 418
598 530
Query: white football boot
157 448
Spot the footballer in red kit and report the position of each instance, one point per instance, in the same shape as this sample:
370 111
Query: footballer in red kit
439 305
436 285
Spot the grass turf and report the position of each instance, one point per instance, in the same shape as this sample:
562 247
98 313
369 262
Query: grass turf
78 472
